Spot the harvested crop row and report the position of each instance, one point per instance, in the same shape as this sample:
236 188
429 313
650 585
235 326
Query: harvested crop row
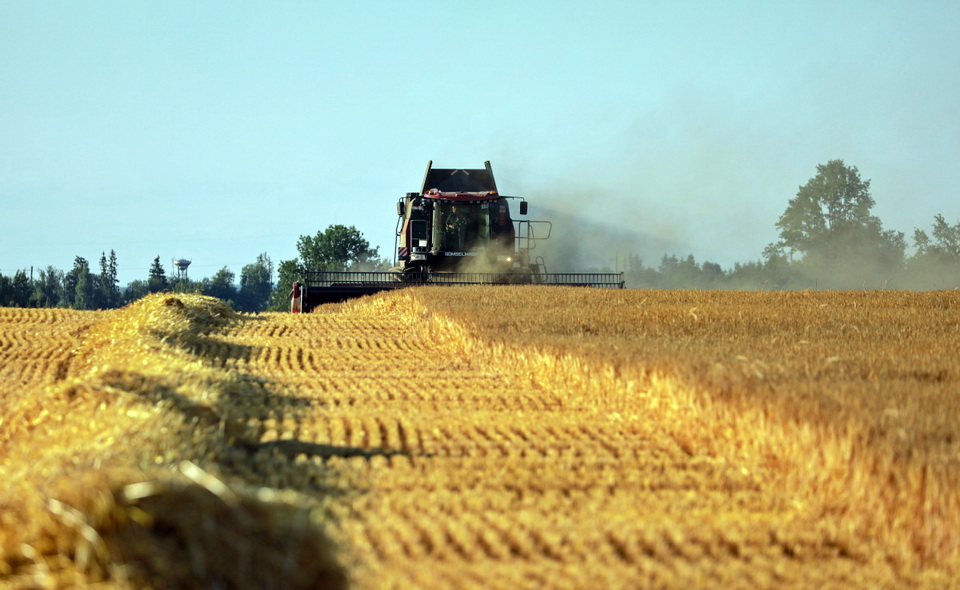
604 478
848 400
503 437
36 344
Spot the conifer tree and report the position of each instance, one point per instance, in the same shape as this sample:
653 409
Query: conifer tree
109 285
157 280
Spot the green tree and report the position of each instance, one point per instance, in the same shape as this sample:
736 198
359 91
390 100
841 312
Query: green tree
337 248
945 243
78 287
135 290
639 276
84 295
6 291
185 285
936 263
70 282
221 285
676 273
108 286
829 225
836 200
20 290
288 271
256 283
157 279
48 288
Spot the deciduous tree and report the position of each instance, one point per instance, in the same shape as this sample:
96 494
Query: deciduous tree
222 286
135 290
946 239
21 289
337 248
256 283
829 223
48 288
83 291
288 271
936 263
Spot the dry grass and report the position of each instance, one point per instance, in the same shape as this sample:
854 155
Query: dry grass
101 460
848 402
495 437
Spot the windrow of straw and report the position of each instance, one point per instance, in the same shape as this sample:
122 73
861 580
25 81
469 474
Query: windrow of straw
110 466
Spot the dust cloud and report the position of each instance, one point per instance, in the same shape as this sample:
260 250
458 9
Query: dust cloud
577 243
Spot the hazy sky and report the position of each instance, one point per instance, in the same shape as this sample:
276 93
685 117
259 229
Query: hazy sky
215 131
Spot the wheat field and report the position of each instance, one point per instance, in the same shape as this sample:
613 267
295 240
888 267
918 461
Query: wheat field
497 437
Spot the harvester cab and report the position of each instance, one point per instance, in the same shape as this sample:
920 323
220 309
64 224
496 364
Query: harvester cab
460 222
458 230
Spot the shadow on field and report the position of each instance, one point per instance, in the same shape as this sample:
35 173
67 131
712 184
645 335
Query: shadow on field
228 523
207 535
294 447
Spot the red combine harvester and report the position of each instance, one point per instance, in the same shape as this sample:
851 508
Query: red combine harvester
456 231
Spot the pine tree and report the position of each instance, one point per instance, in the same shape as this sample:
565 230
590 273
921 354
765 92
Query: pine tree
108 283
157 280
6 291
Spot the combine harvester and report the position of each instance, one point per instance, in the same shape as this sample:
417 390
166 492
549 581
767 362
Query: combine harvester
456 231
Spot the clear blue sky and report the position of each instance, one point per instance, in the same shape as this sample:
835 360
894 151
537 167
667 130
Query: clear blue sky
218 130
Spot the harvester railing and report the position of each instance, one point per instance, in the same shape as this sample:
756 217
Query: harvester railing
606 280
387 280
330 278
526 233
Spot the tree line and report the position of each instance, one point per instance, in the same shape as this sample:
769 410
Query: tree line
829 239
82 288
336 248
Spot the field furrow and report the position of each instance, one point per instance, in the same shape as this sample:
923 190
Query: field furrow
37 345
473 438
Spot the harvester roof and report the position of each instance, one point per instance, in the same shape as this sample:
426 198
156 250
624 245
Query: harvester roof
458 180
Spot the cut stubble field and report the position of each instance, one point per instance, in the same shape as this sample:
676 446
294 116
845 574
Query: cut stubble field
485 437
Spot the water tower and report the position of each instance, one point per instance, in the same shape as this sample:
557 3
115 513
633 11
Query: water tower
181 264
